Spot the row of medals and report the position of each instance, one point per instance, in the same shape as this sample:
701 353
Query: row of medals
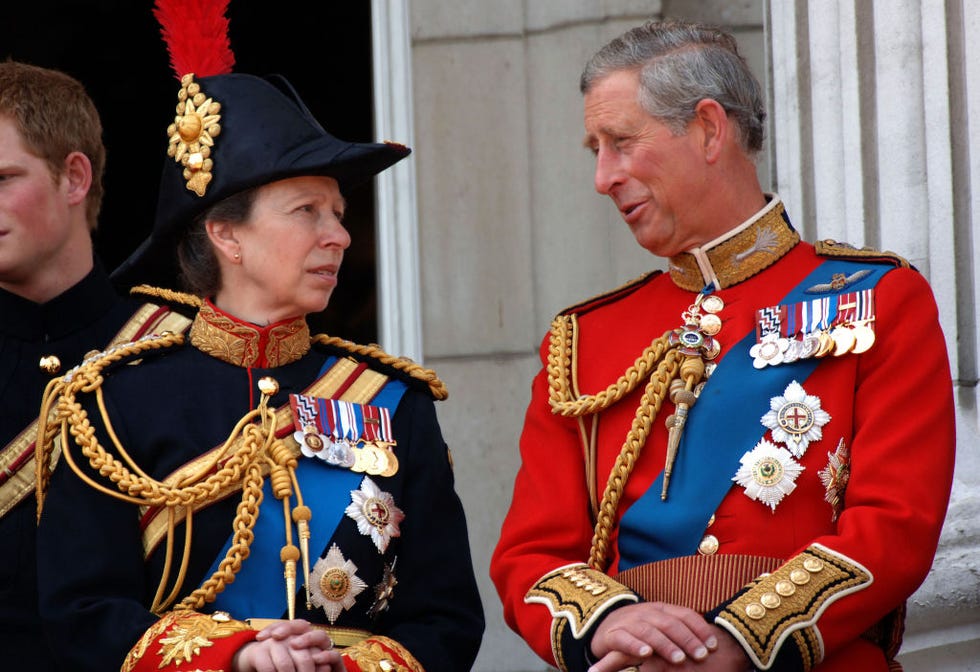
376 459
856 337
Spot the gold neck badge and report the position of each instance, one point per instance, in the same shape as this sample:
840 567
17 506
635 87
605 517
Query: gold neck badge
738 255
192 134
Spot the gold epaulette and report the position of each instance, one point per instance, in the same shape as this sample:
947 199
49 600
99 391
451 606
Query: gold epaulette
403 365
786 604
831 248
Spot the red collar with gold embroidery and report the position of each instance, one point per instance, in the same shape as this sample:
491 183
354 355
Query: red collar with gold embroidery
231 340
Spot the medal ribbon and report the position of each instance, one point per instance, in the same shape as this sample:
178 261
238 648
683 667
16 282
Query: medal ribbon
652 529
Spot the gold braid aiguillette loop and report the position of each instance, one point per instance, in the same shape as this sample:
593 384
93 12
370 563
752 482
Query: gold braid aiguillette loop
238 461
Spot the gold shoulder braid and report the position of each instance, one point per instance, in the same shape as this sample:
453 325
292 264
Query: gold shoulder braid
167 295
436 387
251 444
832 248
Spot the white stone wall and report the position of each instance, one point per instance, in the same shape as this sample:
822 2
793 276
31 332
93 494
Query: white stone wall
511 231
873 105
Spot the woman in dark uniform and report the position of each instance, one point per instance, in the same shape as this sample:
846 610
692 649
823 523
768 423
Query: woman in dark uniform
249 496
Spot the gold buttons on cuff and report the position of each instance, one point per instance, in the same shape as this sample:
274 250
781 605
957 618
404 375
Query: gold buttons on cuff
770 600
50 364
709 545
755 611
812 565
785 588
800 577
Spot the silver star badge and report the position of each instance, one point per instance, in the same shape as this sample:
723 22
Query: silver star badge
796 418
375 513
335 583
768 473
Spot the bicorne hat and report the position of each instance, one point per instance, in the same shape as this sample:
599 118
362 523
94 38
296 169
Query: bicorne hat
232 132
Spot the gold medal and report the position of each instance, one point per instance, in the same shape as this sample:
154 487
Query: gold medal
710 324
392 462
361 461
864 337
712 304
843 340
826 344
376 459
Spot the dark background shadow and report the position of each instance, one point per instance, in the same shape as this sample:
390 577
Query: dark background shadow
114 48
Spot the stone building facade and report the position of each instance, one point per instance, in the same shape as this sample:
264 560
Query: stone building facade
494 225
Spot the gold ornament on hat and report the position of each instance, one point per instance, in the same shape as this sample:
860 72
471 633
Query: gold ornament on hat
192 133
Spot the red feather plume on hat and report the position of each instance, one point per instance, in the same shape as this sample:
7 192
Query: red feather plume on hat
196 33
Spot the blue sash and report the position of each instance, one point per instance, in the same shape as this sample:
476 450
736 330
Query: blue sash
258 588
721 427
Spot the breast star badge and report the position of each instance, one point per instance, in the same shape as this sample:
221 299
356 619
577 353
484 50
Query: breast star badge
335 584
796 419
768 473
375 513
835 477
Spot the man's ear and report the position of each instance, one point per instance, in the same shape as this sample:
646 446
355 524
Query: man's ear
716 129
223 238
77 173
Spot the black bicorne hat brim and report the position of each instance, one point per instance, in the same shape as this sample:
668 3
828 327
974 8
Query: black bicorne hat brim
267 134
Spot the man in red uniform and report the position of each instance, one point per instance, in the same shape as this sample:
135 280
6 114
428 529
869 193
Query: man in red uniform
744 462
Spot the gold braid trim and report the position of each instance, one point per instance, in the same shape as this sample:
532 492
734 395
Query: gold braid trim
242 463
790 600
187 632
579 595
167 295
381 654
436 387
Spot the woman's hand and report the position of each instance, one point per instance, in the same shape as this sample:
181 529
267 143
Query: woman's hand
289 646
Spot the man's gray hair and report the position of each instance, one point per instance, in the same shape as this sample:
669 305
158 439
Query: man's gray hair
681 64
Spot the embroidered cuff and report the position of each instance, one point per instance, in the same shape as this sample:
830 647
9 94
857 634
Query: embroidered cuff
380 654
577 596
209 641
786 605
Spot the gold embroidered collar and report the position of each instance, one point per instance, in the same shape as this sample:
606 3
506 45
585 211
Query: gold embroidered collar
227 338
737 255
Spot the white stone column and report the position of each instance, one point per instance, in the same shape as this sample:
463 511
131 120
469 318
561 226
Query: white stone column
877 150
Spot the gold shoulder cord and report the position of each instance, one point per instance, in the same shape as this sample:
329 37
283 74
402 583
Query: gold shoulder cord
403 364
666 363
250 447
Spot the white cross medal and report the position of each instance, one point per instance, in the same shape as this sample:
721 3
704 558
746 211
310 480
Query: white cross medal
795 418
768 473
